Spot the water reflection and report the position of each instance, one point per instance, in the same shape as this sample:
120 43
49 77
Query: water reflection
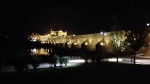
40 51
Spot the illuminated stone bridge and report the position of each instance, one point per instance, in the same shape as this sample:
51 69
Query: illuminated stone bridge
80 41
88 42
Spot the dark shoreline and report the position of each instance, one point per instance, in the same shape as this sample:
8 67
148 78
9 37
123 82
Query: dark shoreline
103 72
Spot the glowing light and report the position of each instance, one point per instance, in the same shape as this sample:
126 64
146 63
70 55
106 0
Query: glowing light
102 44
103 33
68 43
141 61
86 43
43 42
71 63
148 24
74 35
75 43
42 51
114 59
34 50
77 61
34 40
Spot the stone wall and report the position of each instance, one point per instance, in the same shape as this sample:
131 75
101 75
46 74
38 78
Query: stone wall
90 41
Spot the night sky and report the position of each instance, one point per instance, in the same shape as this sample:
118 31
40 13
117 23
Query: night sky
76 17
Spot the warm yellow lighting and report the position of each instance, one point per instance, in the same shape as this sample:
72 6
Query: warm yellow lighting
43 42
74 35
42 51
86 43
68 43
102 44
75 43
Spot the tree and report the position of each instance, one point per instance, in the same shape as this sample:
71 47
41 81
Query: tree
133 19
117 39
55 59
65 60
135 38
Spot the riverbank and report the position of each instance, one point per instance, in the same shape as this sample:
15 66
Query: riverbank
86 73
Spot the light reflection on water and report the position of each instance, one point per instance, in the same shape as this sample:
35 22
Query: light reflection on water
40 51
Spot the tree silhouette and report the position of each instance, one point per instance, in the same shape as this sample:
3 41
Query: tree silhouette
132 18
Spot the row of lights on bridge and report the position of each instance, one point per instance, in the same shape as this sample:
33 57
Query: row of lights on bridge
103 33
67 43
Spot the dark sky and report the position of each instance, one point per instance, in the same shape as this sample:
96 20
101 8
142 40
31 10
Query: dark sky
76 17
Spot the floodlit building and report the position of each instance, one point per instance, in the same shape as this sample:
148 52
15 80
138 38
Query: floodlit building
44 38
58 33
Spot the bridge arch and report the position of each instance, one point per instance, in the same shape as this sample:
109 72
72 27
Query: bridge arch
68 45
76 45
86 45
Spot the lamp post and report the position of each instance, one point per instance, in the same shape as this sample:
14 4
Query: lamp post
117 52
118 49
103 34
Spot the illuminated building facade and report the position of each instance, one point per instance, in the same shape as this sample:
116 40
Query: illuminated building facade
58 33
45 38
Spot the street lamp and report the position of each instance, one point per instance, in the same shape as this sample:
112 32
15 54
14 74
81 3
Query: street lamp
148 24
103 33
147 27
